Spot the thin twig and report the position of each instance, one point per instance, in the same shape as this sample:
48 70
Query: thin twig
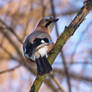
66 72
50 84
43 7
61 53
9 70
78 42
74 75
6 51
11 30
2 30
22 61
29 18
56 81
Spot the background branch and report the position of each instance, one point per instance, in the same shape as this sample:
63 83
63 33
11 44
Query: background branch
10 29
61 53
57 82
10 70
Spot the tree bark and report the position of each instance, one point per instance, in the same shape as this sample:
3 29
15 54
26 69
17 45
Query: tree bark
68 32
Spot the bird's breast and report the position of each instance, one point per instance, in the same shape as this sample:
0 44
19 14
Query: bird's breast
43 51
40 52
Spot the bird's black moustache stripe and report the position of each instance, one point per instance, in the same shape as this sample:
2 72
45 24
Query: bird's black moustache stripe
48 23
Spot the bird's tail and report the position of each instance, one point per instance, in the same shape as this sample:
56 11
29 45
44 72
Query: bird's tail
43 66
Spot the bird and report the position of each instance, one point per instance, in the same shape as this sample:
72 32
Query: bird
38 44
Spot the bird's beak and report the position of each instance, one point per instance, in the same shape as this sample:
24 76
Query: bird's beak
55 20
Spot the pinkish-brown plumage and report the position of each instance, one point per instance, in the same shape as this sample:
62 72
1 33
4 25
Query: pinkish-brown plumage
37 45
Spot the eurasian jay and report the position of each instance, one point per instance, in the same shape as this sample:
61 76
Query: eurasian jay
37 45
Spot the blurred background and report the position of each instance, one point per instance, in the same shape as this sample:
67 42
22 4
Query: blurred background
72 67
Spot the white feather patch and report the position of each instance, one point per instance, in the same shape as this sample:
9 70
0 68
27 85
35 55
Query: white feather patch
42 41
40 52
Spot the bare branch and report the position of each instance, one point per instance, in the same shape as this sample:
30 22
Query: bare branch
61 53
74 76
57 82
22 61
10 29
10 55
49 83
62 40
10 70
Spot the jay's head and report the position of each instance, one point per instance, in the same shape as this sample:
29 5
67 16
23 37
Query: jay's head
48 22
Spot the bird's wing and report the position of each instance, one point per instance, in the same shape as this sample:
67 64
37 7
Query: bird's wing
29 41
38 34
34 41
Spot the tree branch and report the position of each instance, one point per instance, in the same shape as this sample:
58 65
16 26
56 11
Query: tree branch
10 29
68 32
23 61
9 54
74 75
61 53
9 70
57 82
